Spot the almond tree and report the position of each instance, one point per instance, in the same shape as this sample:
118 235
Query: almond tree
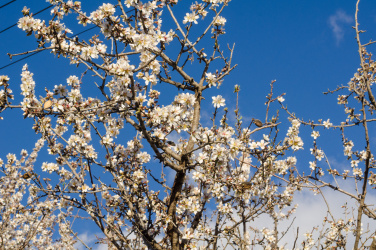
112 153
118 185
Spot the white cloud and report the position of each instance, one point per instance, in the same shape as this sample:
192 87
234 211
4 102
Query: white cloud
336 22
311 212
89 239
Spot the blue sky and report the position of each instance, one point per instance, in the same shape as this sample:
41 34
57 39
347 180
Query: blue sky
307 46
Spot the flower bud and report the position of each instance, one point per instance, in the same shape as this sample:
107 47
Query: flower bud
47 104
257 122
246 185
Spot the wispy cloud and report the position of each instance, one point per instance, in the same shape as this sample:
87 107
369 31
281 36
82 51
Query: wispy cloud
310 214
88 238
336 22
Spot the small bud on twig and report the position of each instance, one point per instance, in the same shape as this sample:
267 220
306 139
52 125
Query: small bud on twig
257 122
47 104
27 175
246 185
